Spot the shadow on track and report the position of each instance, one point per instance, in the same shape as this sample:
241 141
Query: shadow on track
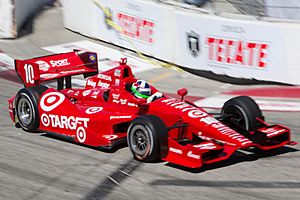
238 157
228 184
113 149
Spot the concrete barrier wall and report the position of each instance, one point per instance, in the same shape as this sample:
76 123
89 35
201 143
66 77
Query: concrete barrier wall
7 25
240 48
14 13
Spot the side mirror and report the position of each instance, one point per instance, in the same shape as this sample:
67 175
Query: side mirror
182 92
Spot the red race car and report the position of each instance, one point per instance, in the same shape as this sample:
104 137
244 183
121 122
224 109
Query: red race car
115 106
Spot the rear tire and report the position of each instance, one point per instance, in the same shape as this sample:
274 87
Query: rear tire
147 138
27 112
244 111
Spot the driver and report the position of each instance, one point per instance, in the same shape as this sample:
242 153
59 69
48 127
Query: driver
142 90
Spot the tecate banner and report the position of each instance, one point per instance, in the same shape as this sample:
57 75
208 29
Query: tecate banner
247 49
140 23
7 29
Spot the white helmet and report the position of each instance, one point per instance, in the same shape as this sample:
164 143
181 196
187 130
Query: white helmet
141 89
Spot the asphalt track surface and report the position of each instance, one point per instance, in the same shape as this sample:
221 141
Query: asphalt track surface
37 166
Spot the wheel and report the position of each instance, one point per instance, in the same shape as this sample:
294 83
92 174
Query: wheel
147 138
27 107
242 112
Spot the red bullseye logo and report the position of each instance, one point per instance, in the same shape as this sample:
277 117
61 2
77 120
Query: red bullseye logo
93 110
45 120
51 100
81 134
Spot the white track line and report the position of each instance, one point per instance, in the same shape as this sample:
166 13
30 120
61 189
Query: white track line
268 105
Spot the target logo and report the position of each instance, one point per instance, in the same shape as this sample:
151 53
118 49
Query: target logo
45 120
196 114
81 134
93 110
51 100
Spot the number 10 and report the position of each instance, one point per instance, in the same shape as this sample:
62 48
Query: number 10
29 73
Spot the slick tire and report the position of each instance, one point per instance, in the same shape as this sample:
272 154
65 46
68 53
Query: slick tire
27 112
243 111
147 138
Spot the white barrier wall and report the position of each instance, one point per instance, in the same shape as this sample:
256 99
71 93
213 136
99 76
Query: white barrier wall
142 21
287 9
238 48
243 49
7 28
14 13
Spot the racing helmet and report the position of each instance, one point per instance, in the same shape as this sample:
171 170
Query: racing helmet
141 89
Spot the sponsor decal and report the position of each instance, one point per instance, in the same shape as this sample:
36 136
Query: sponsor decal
110 137
132 104
208 146
59 63
193 43
93 110
43 66
273 131
92 58
104 77
95 94
191 155
103 85
117 73
91 83
123 101
136 27
65 122
174 150
121 117
87 92
76 93
116 96
51 100
49 75
81 134
195 113
117 82
72 71
237 52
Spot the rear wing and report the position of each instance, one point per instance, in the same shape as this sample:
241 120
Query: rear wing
58 66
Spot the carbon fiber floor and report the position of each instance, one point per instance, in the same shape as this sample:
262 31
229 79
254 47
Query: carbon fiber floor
36 166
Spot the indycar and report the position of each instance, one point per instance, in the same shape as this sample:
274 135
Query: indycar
105 113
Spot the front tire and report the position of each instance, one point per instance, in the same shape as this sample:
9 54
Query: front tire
147 138
27 113
242 112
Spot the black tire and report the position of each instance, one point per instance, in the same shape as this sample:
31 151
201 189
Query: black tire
147 138
243 112
27 112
